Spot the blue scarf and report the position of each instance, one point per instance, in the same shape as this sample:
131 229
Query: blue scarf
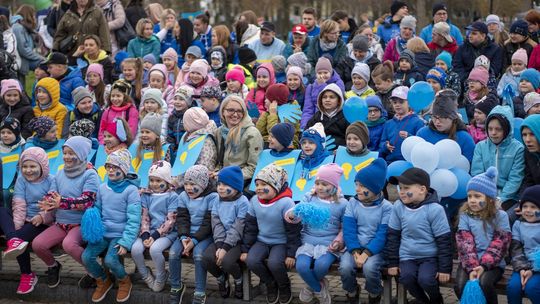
45 145
121 185
314 160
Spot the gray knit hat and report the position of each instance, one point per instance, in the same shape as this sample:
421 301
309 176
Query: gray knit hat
360 43
79 94
279 63
274 176
197 175
409 56
445 104
185 93
408 22
152 122
156 95
361 69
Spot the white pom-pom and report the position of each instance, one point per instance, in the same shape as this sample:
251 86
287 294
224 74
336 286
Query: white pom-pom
491 172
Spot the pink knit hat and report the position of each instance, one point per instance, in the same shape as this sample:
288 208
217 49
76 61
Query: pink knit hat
236 74
294 70
171 54
10 84
200 66
521 55
330 173
95 68
39 156
160 67
323 64
195 119
479 74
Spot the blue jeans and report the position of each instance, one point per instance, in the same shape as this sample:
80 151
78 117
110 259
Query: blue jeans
371 271
515 293
112 260
312 275
420 278
175 264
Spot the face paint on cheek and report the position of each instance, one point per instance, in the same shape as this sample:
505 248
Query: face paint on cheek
196 190
537 214
228 191
482 204
366 193
162 186
117 174
266 190
409 194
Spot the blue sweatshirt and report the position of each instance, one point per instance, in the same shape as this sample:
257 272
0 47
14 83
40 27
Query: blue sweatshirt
325 237
365 226
483 237
529 235
73 188
270 219
159 205
197 208
410 123
228 220
31 193
120 212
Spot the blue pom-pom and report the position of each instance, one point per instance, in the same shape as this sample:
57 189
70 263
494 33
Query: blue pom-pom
535 257
472 293
491 172
91 226
315 216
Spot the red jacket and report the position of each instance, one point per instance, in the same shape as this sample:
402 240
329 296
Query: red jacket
534 60
450 48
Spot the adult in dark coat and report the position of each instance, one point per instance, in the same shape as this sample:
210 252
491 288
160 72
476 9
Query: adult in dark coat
530 130
135 12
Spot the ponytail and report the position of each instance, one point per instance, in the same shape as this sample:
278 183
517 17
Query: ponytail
385 71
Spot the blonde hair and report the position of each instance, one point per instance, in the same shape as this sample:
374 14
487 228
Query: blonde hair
235 132
417 45
334 197
156 147
385 71
139 28
328 26
223 35
164 14
138 65
487 214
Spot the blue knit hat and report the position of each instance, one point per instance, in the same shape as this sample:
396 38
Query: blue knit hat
446 58
373 176
80 145
533 123
232 176
315 134
438 75
150 58
284 133
485 183
119 58
375 101
532 76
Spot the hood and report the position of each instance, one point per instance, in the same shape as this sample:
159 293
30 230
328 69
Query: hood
147 41
431 198
101 56
334 79
95 109
506 112
268 66
39 156
251 31
53 88
532 122
73 72
22 103
334 88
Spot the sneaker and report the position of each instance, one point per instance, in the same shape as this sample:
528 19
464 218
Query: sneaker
374 300
272 293
353 299
306 294
159 285
285 294
176 295
149 280
224 286
53 275
15 247
87 282
199 298
238 290
103 287
124 289
324 295
27 283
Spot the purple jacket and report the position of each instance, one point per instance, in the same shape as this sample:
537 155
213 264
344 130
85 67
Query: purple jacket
310 98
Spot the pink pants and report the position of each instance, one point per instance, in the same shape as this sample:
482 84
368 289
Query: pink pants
71 243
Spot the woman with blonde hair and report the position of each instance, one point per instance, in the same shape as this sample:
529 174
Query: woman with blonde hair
146 42
239 143
327 42
165 29
222 36
154 11
422 55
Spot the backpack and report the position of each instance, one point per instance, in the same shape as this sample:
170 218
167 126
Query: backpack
7 65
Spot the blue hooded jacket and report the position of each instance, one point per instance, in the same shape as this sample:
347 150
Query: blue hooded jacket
67 84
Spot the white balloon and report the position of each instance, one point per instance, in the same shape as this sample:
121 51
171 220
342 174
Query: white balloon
408 144
425 156
444 182
449 153
463 163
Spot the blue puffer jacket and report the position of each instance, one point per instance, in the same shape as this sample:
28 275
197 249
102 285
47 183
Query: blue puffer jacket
507 157
388 30
67 84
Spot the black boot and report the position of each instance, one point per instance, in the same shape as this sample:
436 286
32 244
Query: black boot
272 292
238 289
224 286
53 275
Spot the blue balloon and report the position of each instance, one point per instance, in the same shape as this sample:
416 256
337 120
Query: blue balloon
463 179
355 109
420 96
397 168
517 128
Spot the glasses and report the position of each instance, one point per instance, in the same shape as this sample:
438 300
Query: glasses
334 33
375 111
438 118
233 111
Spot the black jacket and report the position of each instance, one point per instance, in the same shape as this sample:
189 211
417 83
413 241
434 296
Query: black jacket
465 56
532 170
346 65
22 111
424 62
334 126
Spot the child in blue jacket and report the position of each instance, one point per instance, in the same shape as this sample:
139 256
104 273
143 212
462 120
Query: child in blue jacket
267 236
405 123
525 241
228 220
194 226
419 244
321 247
159 203
364 230
377 116
119 205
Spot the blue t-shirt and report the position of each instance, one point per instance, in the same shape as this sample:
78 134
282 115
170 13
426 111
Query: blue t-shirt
73 188
368 218
318 236
270 219
197 208
159 205
529 235
31 193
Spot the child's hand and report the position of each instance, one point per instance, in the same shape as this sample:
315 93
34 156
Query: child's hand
473 275
393 271
220 254
525 276
336 246
243 257
360 259
390 147
403 134
478 270
273 108
148 242
121 250
213 174
443 277
289 262
188 245
37 220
